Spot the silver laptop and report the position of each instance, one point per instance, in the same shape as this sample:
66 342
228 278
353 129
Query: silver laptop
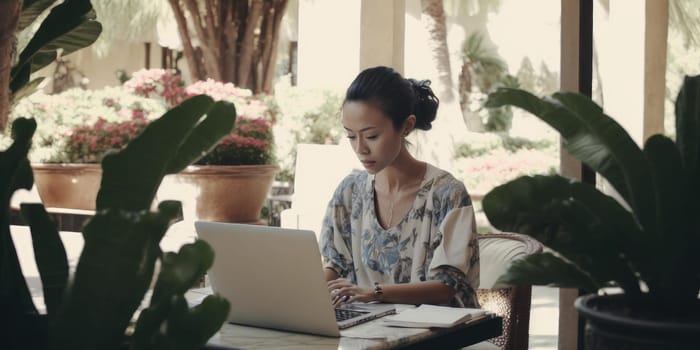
273 278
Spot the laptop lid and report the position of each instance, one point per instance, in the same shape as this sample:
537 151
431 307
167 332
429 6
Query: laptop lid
272 277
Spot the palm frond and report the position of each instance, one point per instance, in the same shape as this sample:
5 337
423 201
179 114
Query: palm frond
127 20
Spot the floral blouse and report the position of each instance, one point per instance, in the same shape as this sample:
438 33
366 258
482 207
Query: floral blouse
436 240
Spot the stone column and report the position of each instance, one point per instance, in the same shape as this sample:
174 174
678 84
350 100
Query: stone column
329 43
382 34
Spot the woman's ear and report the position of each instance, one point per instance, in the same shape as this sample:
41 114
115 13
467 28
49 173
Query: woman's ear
408 125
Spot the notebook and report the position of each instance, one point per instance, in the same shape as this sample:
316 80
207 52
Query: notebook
429 316
273 278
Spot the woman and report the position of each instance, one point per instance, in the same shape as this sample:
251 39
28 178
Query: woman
402 231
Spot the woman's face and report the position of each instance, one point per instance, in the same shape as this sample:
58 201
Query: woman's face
372 135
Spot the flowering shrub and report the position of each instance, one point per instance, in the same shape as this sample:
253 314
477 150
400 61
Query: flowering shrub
81 125
247 104
162 84
249 144
251 141
58 115
482 173
89 144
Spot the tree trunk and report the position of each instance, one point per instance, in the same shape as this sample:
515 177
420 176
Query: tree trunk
9 19
472 120
439 145
236 39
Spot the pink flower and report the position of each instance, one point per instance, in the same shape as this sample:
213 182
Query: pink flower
166 84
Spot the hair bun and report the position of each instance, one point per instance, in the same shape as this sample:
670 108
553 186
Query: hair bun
426 104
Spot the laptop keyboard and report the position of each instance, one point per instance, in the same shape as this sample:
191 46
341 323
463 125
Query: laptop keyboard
345 314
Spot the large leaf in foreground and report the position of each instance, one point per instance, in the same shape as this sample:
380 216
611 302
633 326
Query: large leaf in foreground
546 269
15 173
114 271
49 254
596 140
585 226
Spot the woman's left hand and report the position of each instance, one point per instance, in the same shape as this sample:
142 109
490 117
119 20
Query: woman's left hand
343 291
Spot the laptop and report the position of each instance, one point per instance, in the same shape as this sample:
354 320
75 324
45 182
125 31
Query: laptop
273 278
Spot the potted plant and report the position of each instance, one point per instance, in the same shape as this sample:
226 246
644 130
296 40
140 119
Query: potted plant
75 129
643 243
78 127
242 163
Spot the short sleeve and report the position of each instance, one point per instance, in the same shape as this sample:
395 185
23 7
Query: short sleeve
455 258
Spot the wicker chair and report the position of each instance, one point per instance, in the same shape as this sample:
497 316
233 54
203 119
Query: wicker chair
497 251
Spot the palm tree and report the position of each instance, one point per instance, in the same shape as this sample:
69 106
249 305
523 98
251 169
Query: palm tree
127 20
237 39
449 125
684 15
230 41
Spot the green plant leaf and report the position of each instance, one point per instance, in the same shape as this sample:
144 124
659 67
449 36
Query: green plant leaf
168 321
688 142
25 90
20 78
546 269
15 170
70 26
594 245
688 126
182 270
31 9
49 254
15 173
192 329
595 139
42 59
580 223
131 177
677 249
205 136
525 205
114 271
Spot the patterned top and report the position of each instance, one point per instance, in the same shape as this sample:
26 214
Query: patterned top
436 239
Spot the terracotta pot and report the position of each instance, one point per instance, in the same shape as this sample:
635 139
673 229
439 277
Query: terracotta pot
234 193
71 186
606 329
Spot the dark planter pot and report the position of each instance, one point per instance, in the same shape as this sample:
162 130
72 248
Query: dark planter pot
607 330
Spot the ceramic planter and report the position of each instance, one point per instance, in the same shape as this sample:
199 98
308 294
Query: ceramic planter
72 186
234 193
607 330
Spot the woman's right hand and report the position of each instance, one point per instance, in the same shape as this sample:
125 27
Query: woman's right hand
343 291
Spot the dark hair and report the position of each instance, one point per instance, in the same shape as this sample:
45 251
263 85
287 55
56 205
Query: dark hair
397 97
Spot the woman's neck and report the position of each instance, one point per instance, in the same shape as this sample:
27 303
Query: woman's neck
404 171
